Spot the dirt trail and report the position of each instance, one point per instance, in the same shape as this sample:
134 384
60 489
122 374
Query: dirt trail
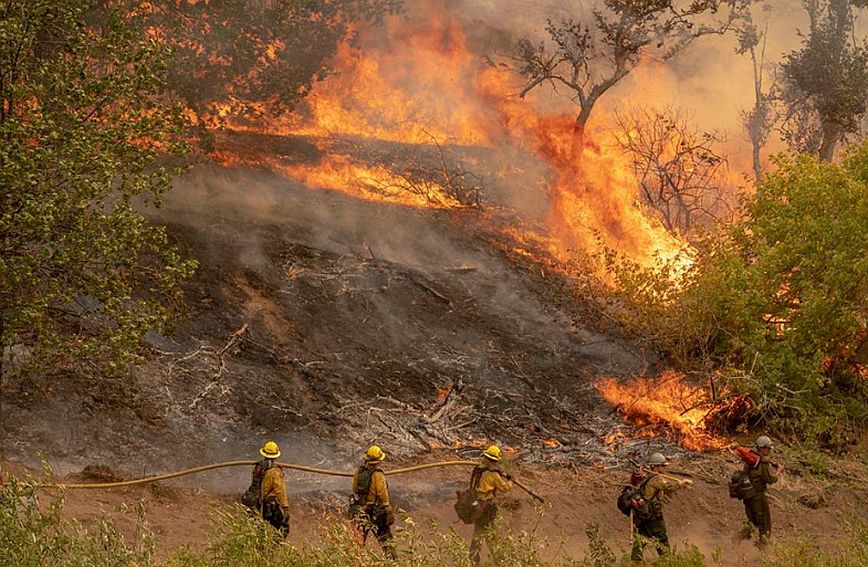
181 513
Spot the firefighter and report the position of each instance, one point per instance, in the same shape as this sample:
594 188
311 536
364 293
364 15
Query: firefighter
756 508
371 509
273 501
656 489
488 481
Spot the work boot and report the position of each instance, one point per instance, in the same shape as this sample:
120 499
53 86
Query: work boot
746 533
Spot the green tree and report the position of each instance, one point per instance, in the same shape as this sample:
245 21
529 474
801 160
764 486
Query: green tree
255 57
824 84
84 125
779 299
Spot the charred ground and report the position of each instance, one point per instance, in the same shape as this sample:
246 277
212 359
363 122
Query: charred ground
329 322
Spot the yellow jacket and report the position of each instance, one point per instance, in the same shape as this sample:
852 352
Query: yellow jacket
378 493
490 483
273 486
659 488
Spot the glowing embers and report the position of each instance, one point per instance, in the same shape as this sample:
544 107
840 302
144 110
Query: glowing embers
669 406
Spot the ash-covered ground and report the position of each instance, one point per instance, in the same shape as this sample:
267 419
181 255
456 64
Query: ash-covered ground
327 323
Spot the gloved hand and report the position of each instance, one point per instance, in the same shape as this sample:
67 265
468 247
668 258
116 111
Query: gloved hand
688 483
506 476
390 517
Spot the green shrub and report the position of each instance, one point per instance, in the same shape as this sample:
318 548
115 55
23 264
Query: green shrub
852 553
774 304
34 536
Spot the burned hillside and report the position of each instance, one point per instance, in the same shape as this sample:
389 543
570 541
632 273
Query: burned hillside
317 316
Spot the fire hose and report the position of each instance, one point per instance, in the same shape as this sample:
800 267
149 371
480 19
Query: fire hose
302 468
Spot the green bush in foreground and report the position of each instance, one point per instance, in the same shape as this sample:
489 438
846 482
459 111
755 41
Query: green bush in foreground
31 535
34 536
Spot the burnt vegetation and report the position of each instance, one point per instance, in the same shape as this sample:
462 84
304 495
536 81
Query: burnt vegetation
680 170
461 320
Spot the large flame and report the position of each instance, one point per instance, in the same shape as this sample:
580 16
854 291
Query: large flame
666 405
418 83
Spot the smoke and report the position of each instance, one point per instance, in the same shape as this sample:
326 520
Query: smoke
243 215
709 80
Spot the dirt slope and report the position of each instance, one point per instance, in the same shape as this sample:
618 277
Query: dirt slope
327 323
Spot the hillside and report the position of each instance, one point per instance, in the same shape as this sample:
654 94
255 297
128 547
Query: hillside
327 323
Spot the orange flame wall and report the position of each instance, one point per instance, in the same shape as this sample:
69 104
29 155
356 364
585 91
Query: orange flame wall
417 82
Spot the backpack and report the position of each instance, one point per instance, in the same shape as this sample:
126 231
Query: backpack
740 486
252 497
632 501
363 486
466 505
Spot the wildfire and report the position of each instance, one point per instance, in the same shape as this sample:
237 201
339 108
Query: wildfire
665 405
419 82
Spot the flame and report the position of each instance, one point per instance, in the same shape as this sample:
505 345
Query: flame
419 82
665 405
614 440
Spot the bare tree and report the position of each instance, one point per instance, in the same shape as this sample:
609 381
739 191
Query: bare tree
825 83
589 59
759 121
679 170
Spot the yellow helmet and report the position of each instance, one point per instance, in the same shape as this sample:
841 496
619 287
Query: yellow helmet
375 454
270 450
492 453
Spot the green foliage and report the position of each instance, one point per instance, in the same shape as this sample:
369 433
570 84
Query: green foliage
83 122
34 537
256 57
825 83
776 300
598 554
854 551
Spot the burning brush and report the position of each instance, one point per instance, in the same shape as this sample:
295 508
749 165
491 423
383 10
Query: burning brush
669 406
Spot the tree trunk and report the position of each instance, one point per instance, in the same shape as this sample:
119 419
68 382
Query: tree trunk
831 135
577 147
755 134
757 163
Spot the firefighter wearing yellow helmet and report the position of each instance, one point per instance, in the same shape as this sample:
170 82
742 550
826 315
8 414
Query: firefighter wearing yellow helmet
267 492
488 480
370 508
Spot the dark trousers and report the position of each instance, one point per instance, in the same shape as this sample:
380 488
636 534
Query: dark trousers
483 526
652 532
759 515
377 523
274 515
